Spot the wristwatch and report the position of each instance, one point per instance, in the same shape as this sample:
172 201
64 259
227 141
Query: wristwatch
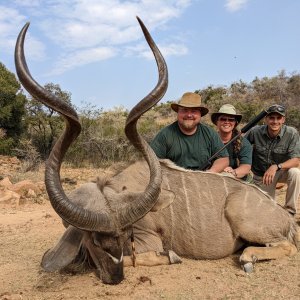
279 167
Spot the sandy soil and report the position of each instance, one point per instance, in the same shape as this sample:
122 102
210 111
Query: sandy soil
27 232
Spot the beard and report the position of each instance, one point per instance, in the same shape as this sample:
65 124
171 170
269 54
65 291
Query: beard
188 124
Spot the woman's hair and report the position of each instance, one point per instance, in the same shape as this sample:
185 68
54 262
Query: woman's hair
237 143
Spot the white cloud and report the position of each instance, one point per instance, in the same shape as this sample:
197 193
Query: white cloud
73 35
172 49
35 48
9 17
11 21
83 30
90 22
28 3
235 5
83 57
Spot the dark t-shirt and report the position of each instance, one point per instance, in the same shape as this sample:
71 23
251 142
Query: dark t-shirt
244 156
187 151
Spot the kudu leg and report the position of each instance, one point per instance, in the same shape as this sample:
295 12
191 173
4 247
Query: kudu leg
153 258
262 223
273 251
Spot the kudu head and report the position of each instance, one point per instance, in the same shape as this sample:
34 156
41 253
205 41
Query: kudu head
102 232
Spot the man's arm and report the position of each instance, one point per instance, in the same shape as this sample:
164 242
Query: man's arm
270 173
159 145
291 163
219 165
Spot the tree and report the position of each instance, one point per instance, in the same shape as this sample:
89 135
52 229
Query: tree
12 111
272 90
293 117
44 124
250 99
213 97
86 148
293 89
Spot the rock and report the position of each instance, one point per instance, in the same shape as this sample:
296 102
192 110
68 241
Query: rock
22 187
8 165
5 182
9 198
14 195
30 193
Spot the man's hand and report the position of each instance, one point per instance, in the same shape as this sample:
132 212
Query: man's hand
269 175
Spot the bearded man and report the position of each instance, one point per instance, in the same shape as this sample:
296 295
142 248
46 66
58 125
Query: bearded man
188 142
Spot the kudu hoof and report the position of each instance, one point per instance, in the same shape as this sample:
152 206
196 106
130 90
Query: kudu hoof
248 267
174 258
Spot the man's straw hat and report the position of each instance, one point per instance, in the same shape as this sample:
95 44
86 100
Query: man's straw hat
190 100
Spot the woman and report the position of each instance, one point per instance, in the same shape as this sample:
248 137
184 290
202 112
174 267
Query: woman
240 151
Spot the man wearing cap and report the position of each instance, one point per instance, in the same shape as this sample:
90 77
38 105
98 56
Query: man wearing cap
187 142
240 151
276 154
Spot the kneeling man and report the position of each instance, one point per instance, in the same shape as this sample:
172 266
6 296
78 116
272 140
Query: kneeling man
276 156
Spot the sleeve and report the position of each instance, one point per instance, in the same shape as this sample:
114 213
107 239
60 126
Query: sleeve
245 154
249 136
159 145
294 147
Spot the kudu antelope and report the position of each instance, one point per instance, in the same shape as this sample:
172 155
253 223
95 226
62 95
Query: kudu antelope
198 215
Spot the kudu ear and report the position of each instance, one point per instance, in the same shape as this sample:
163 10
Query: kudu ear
64 252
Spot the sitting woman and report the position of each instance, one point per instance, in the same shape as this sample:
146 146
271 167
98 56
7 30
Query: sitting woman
240 151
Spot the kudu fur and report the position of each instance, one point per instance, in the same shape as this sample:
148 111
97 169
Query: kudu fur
195 214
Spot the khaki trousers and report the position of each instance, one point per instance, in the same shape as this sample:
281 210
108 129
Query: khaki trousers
292 178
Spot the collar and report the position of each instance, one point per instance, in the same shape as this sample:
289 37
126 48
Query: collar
279 136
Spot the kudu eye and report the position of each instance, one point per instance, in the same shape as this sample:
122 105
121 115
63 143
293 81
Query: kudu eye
96 242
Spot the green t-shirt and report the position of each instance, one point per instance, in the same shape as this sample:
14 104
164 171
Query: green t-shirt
187 151
268 151
244 156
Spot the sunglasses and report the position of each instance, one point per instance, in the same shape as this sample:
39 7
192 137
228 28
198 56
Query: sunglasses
225 119
276 108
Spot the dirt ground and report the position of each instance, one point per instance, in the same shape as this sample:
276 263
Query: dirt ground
28 231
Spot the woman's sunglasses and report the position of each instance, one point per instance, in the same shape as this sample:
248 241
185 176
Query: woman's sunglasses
225 119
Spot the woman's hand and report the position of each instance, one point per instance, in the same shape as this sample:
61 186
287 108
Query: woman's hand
230 171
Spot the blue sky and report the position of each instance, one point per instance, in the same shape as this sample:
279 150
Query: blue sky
95 49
